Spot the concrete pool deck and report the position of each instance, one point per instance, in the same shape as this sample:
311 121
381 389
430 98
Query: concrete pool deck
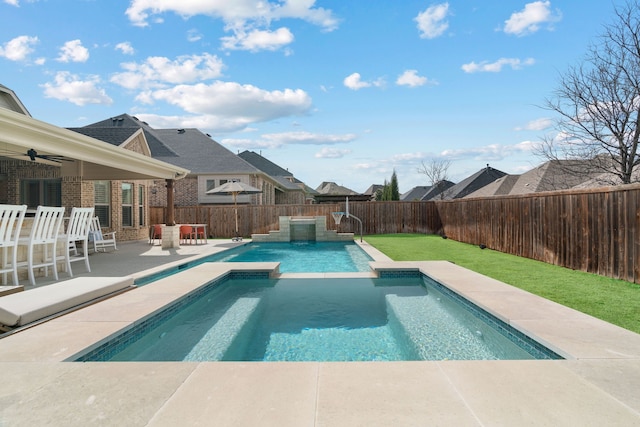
597 385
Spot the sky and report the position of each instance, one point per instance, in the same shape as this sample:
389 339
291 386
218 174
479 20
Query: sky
335 90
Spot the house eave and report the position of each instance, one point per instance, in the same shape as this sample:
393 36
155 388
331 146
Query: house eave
19 133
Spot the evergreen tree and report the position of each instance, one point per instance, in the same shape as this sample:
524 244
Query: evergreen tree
394 192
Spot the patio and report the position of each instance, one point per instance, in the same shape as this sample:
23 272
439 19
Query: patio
597 386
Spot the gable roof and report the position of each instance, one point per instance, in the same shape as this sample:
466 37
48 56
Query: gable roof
201 153
437 189
472 183
10 101
553 175
187 148
264 164
334 189
283 177
499 187
416 193
373 188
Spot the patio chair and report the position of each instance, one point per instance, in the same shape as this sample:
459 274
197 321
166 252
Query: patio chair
155 233
101 239
77 231
44 235
200 232
187 232
11 218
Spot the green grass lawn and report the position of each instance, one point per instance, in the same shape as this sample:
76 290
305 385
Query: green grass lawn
615 301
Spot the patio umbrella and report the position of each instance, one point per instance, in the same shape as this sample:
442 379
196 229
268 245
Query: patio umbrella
234 188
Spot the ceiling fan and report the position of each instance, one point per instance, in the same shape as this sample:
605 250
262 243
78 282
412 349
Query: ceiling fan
33 155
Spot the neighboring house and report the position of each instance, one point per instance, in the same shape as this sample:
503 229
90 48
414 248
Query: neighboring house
553 175
499 187
373 190
330 192
289 190
608 180
550 176
42 164
331 188
210 164
470 184
436 191
416 193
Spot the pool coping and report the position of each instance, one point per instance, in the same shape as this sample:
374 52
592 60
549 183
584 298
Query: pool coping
602 366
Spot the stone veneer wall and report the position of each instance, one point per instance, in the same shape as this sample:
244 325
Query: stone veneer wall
287 222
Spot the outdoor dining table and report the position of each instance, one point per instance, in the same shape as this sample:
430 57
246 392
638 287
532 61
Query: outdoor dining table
199 229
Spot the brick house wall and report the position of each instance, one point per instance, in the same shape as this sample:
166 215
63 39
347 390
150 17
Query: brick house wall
77 192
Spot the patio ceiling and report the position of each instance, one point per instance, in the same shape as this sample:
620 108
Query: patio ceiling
88 157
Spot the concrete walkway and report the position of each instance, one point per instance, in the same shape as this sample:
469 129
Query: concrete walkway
596 386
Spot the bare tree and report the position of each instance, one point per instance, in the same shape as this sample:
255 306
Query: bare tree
435 171
598 104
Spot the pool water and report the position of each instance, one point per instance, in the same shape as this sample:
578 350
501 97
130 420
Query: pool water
294 257
361 319
304 256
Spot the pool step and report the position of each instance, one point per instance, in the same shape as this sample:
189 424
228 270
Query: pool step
433 331
218 339
333 344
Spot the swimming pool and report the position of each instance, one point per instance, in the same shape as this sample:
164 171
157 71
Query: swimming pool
303 256
405 316
294 257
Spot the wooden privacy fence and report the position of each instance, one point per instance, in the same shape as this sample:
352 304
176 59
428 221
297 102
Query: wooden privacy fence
590 230
377 218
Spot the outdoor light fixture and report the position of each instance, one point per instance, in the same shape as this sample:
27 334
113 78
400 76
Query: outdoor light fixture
32 154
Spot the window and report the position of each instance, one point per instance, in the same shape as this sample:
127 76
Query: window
102 201
127 204
141 205
46 192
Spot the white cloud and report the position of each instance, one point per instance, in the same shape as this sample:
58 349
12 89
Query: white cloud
354 82
401 162
193 35
208 122
69 87
276 140
412 79
537 125
495 67
492 152
432 22
156 71
73 51
126 48
331 153
258 40
249 20
531 18
12 2
19 48
233 12
228 106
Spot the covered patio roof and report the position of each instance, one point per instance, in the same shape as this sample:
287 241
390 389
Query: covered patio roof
94 159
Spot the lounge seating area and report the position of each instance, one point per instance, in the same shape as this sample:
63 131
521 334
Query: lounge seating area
48 241
22 308
99 239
